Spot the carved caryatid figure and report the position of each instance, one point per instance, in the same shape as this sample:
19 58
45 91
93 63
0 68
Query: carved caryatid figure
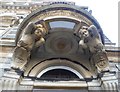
31 38
91 40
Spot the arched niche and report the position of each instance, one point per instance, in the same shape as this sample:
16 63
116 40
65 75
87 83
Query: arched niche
59 73
43 67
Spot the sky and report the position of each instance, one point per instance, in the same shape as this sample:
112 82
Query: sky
106 13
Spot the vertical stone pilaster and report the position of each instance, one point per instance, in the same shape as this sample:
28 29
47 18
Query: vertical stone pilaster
109 82
10 81
9 84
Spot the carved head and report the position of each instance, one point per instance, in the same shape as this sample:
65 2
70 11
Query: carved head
40 28
38 32
84 32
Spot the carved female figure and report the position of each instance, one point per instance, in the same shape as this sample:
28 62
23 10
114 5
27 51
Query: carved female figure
90 40
32 38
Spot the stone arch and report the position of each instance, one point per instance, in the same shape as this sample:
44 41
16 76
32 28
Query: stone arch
60 67
83 14
41 68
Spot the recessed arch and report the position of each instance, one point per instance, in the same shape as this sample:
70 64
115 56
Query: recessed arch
60 67
78 69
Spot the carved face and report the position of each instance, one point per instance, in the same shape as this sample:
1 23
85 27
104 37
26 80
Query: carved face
38 33
84 33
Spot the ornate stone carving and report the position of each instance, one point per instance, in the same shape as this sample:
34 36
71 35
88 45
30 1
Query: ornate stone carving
31 39
90 40
100 60
63 13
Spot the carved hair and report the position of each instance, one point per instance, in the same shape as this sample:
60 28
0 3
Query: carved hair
93 31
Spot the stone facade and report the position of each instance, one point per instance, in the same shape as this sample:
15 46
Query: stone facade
60 63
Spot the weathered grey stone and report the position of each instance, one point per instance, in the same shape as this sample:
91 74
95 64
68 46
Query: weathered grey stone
61 51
